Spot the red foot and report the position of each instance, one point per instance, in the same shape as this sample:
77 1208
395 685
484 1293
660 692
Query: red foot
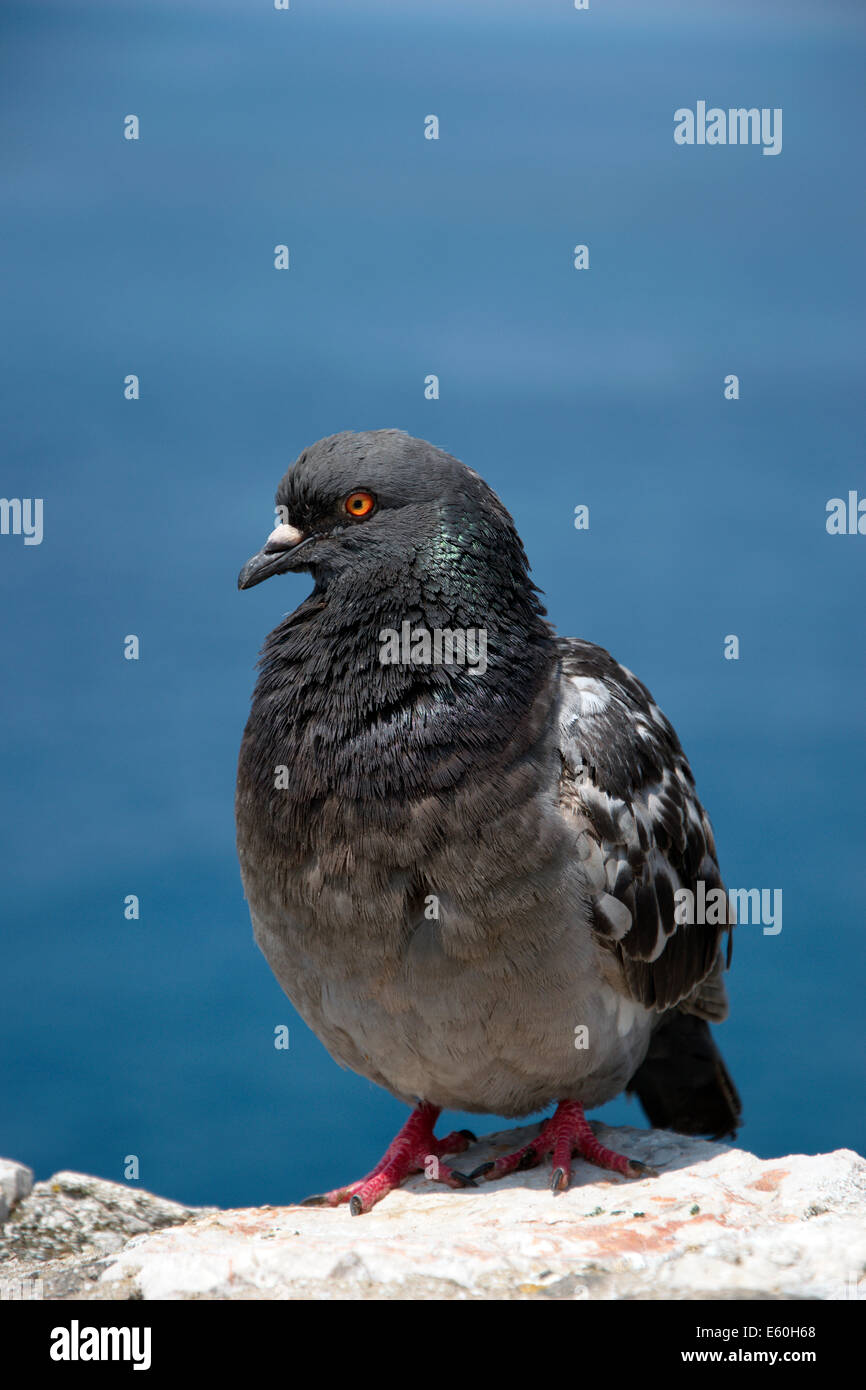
411 1152
566 1133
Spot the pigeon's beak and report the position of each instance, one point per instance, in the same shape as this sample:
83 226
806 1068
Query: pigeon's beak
274 557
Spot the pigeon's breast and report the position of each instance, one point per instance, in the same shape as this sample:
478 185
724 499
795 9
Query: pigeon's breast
441 945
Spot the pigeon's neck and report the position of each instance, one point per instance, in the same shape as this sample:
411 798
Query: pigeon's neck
405 683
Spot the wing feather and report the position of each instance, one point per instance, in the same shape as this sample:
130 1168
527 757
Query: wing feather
642 833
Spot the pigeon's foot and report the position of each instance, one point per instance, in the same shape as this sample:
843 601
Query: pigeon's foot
415 1150
565 1134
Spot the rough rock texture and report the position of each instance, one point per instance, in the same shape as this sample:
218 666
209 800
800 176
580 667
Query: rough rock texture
717 1222
16 1182
55 1242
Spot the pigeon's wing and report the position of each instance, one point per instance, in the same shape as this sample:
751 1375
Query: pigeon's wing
642 835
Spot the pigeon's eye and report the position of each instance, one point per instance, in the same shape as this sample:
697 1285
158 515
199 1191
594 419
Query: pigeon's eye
359 503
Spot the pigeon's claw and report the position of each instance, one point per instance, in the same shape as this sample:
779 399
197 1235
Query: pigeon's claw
567 1133
478 1172
558 1180
636 1169
415 1150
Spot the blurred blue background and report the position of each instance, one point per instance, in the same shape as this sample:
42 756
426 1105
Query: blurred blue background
602 387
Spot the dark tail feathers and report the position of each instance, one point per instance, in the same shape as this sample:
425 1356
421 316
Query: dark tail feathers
683 1084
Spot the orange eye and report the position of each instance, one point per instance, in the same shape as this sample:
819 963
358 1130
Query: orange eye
359 503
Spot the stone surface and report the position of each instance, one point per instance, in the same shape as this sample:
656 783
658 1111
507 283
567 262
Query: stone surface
16 1182
716 1222
55 1240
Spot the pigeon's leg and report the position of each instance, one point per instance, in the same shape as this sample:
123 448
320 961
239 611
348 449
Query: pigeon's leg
411 1152
566 1133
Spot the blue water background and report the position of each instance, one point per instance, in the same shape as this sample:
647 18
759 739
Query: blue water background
409 256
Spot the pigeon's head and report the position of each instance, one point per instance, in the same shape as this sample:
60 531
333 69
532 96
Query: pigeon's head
381 501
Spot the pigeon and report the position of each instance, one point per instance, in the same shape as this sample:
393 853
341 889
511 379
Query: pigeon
463 839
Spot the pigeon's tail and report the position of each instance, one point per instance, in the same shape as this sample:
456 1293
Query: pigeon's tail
683 1084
